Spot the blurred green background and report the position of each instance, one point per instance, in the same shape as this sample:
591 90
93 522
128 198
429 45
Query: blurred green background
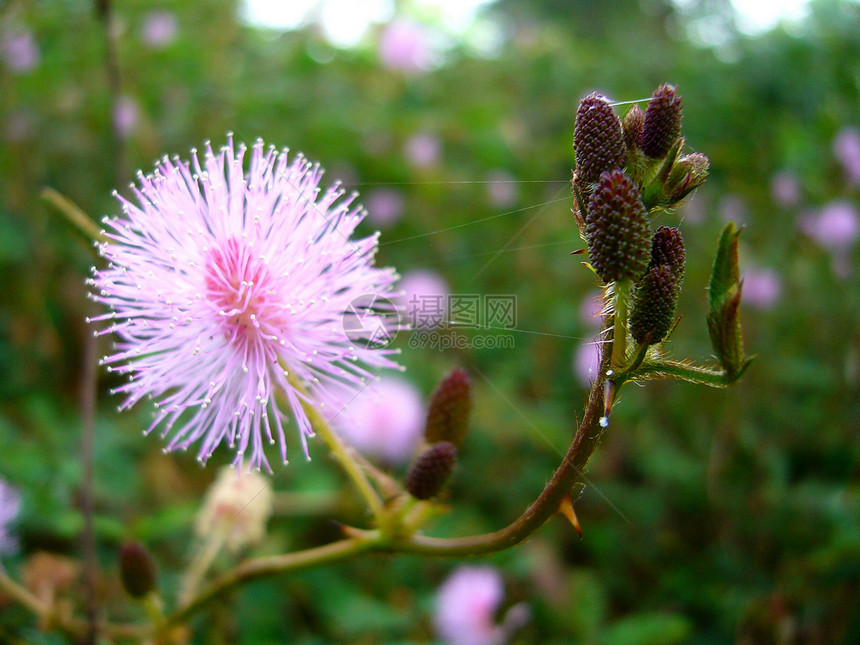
713 516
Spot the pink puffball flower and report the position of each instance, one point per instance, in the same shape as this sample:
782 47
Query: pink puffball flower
422 150
591 309
384 206
19 51
785 189
126 115
501 189
835 227
424 299
384 420
762 288
10 504
586 362
466 605
159 29
404 46
846 148
227 292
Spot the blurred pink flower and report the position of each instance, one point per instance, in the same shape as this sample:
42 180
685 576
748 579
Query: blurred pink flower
384 206
19 50
762 288
466 604
383 420
733 208
404 46
586 362
424 299
692 210
224 287
846 149
126 114
422 149
10 504
20 125
159 29
501 189
785 189
835 227
590 308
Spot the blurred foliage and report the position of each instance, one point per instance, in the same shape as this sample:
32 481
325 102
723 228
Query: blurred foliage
710 516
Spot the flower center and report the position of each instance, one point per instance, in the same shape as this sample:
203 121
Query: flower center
241 287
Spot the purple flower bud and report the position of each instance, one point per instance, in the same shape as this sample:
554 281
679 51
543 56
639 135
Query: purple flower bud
662 122
654 305
598 142
450 407
618 232
428 473
137 569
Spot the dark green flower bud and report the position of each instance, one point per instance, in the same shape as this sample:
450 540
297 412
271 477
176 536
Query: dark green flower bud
137 569
662 122
448 414
598 143
617 229
688 173
654 305
633 124
428 473
667 249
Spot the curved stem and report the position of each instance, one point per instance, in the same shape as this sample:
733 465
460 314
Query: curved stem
340 451
545 506
260 567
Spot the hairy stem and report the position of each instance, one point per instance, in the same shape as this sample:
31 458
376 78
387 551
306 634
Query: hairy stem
622 313
666 368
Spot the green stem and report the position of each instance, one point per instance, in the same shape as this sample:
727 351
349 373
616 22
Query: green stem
76 217
260 567
200 565
657 369
622 313
340 451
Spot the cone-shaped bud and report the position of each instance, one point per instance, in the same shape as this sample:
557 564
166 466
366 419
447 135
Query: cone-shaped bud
598 142
618 234
724 296
654 305
688 173
137 569
448 414
662 122
431 469
667 249
633 124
